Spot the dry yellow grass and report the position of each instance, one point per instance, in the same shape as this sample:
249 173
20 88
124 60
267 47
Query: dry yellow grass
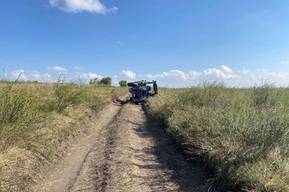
242 135
36 119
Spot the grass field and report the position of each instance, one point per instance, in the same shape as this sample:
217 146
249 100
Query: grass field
239 134
37 118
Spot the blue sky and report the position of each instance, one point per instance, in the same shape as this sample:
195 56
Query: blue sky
179 43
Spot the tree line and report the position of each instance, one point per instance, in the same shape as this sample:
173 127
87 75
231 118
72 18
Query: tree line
106 81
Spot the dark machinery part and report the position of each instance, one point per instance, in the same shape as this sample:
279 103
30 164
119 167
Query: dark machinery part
141 90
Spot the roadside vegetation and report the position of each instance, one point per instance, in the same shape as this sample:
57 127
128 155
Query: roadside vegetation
37 118
241 135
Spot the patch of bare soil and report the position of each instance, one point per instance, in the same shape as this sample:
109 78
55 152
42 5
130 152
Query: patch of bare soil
123 150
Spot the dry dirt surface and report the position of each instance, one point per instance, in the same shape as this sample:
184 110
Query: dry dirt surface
122 149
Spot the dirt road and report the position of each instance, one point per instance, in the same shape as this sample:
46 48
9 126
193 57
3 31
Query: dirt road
122 150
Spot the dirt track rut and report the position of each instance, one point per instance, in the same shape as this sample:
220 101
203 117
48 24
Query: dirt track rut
122 150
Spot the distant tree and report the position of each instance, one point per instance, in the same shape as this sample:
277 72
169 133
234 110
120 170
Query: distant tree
94 81
32 81
106 81
123 83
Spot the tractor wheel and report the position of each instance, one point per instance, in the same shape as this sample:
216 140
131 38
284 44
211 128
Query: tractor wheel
155 88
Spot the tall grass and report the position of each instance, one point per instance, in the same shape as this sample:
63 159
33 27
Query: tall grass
36 118
241 134
17 114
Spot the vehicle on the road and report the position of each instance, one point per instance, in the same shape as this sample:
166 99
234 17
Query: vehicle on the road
141 90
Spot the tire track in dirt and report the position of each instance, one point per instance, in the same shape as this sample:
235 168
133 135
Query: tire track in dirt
74 166
94 175
145 158
124 151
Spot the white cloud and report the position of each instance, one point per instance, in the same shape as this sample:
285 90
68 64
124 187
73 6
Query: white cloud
76 6
18 74
227 69
268 74
23 75
58 69
174 78
219 74
176 74
193 75
284 62
264 70
178 78
245 70
282 75
253 76
129 74
223 73
85 77
76 67
156 76
214 72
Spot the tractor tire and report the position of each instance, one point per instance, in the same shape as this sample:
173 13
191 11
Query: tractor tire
155 88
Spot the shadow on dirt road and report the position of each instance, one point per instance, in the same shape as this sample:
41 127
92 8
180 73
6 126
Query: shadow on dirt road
166 165
170 165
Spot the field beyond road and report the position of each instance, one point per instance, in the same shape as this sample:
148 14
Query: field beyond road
241 135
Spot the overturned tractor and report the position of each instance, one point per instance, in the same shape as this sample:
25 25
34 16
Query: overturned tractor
141 90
